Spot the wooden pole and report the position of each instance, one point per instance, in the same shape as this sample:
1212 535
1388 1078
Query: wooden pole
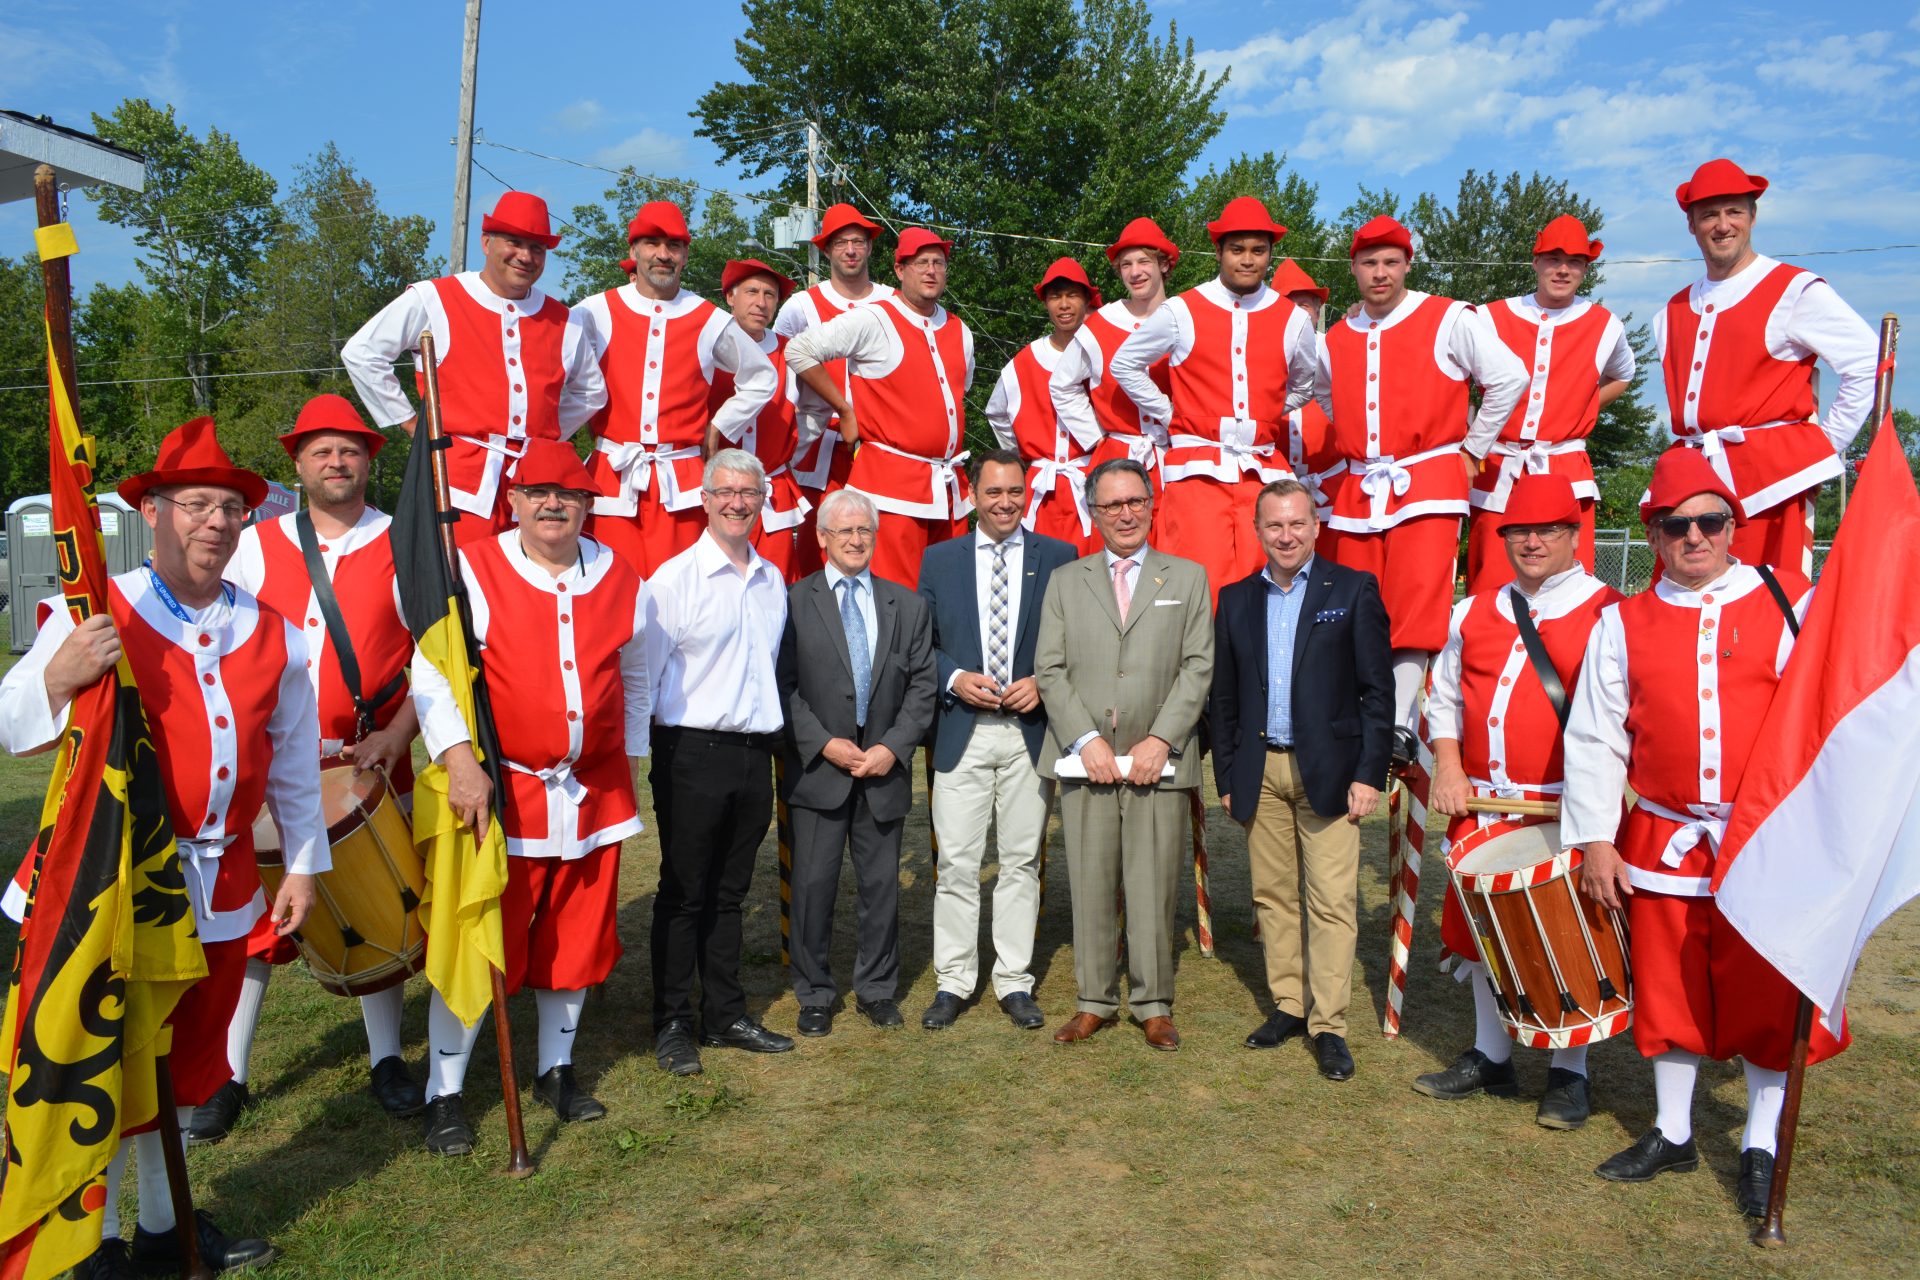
57 278
463 137
813 200
174 1155
518 1163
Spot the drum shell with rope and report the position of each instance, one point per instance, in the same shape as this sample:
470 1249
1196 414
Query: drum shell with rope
1558 961
363 934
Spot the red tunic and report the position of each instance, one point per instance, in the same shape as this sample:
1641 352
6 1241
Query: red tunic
1231 390
1548 429
771 438
913 420
659 365
1024 419
1113 409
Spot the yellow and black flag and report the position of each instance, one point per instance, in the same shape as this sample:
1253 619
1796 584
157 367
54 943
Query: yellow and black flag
108 943
465 876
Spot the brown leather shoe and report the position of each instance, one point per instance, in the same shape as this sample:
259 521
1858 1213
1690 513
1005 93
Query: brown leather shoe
1080 1026
1160 1033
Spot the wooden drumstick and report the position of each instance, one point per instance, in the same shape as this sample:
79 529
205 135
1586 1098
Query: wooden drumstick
1525 808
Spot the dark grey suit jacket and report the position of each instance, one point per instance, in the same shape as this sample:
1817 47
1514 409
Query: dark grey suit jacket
815 675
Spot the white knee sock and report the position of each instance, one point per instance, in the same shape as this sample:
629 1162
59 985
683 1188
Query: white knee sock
116 1170
1572 1058
150 1177
246 1017
381 1012
1409 673
1766 1094
449 1045
1489 1033
559 1020
1673 1075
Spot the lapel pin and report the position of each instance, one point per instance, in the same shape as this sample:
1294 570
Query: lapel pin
1158 582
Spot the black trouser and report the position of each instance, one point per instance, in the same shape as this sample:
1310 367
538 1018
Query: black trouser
713 799
820 837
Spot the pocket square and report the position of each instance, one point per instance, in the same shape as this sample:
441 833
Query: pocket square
1161 604
1329 615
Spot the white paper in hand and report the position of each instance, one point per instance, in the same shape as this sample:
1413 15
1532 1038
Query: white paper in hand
1074 768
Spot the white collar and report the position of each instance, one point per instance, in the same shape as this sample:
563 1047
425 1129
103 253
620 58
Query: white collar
710 558
1221 296
874 294
1361 322
477 290
1138 557
1737 581
594 563
1528 307
1047 355
371 524
912 317
679 305
1558 595
1725 293
1012 542
835 578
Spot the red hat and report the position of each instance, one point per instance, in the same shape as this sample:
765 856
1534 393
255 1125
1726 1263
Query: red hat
738 269
914 239
552 462
1718 178
520 213
1540 499
629 266
838 218
1244 213
191 454
1381 233
1289 277
1683 473
330 413
1144 233
1072 272
661 218
1567 234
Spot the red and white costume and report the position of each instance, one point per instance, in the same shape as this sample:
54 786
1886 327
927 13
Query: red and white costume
233 721
772 437
1237 364
1021 410
1396 390
510 370
1671 698
660 360
1091 406
1738 357
908 375
1569 353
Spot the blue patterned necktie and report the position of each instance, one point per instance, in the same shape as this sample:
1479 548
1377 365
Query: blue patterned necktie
997 619
856 630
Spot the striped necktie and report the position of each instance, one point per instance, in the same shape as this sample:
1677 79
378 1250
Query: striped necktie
997 668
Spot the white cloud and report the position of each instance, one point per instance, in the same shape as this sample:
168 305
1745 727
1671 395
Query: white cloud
1862 65
648 151
581 116
37 62
161 81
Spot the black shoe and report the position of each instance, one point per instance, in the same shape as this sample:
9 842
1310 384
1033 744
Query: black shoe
940 1014
1651 1156
884 1014
1756 1182
1331 1050
1276 1031
398 1093
1472 1072
108 1262
214 1119
1024 1011
1406 747
448 1133
1567 1102
558 1089
674 1050
158 1253
745 1033
815 1020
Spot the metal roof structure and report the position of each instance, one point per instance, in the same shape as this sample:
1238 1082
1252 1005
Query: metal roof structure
79 159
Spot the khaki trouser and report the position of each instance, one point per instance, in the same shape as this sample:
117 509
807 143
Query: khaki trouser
1294 854
1123 838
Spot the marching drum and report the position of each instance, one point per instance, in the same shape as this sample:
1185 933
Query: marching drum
1557 960
362 935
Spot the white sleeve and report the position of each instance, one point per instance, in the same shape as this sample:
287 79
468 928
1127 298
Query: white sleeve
369 355
1303 359
1476 347
293 774
1443 700
1003 405
1146 345
1620 364
1068 389
1596 743
1824 324
794 316
662 627
441 724
966 343
858 335
1323 376
248 568
585 391
755 382
634 677
27 723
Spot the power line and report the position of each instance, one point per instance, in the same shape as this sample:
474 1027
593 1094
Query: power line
187 377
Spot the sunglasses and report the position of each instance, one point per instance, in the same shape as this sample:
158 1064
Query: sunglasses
1712 524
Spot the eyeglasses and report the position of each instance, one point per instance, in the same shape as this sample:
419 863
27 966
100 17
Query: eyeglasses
860 531
737 495
200 510
565 497
1712 524
1545 532
1114 508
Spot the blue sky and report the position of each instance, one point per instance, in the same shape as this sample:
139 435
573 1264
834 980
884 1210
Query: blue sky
1621 97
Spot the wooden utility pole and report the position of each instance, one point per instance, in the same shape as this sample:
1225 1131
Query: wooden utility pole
813 200
463 139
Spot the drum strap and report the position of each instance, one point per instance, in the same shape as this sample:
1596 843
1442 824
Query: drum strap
1779 595
337 634
1537 655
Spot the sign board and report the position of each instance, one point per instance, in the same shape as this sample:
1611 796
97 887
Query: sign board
37 524
279 501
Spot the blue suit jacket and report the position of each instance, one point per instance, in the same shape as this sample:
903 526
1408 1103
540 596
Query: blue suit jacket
1342 688
950 585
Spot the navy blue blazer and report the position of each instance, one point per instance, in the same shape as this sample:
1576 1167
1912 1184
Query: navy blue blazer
949 583
1342 688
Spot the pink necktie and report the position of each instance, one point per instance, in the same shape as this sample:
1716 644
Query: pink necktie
1122 593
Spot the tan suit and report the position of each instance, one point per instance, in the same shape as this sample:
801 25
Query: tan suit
1148 675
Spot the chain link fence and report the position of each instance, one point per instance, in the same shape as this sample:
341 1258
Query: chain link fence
1622 559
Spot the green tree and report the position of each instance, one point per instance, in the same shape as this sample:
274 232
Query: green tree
1480 247
598 241
23 363
1630 430
1826 515
1292 200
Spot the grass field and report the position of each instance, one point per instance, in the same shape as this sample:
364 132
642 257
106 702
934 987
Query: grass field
985 1151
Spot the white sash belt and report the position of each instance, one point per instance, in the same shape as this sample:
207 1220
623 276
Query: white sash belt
1386 477
1529 457
1707 821
1048 473
635 464
559 777
945 470
200 858
1241 455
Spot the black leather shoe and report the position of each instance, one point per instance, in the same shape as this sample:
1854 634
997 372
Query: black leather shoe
398 1093
1567 1102
1650 1157
1331 1050
1276 1031
940 1014
108 1262
558 1089
1023 1010
1756 1182
884 1014
158 1253
214 1119
1472 1072
674 1050
448 1133
745 1033
815 1020
1406 747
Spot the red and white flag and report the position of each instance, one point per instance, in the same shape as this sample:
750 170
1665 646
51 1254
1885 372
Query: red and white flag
1824 841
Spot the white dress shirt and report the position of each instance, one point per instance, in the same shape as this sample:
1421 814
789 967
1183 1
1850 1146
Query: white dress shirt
713 633
983 555
863 601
